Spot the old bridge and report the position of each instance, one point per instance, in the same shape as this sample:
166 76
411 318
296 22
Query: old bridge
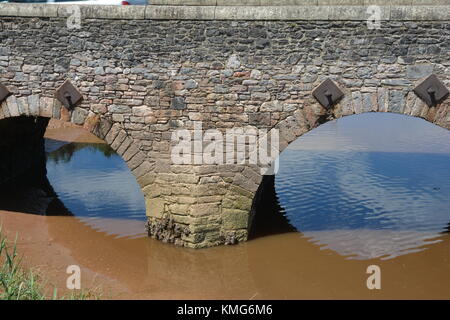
146 71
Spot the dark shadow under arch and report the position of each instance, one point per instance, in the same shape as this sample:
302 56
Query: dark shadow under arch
24 186
269 218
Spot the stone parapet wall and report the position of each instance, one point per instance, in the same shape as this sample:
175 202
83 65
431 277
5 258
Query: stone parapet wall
299 2
414 12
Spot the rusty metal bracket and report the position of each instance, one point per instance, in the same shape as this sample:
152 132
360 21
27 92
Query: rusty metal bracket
68 95
327 93
431 90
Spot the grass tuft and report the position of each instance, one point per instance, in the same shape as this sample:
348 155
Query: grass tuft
19 284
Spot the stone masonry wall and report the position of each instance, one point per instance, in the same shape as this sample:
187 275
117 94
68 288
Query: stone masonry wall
143 79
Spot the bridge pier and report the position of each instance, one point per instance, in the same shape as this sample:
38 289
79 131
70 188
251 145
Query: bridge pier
200 206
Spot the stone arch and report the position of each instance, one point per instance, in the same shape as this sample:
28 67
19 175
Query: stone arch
243 192
382 100
49 107
113 133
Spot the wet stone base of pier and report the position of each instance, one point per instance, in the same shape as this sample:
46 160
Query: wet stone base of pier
168 231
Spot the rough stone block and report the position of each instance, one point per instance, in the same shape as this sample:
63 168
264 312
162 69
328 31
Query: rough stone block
105 12
396 101
33 105
204 209
79 115
131 151
136 160
179 12
419 71
28 10
180 209
22 103
155 207
124 146
13 108
237 202
112 134
234 219
46 107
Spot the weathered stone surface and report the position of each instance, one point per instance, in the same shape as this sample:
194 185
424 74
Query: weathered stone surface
233 62
131 151
155 207
112 134
272 106
419 71
79 115
13 108
237 202
396 101
178 103
235 219
136 160
46 107
22 103
142 169
124 146
119 109
33 105
191 84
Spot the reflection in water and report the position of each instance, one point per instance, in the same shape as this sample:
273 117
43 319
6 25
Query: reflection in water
375 186
87 180
96 185
60 151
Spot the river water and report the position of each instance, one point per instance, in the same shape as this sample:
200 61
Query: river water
363 190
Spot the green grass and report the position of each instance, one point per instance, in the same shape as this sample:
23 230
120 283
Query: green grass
16 283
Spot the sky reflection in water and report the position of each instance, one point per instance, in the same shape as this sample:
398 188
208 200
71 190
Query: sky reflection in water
96 185
366 186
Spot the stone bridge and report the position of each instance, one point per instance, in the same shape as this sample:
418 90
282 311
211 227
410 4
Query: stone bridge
145 72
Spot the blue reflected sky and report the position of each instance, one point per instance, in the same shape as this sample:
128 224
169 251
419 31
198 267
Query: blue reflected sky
92 184
376 132
363 176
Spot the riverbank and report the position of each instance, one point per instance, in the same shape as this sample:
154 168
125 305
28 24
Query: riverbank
39 252
20 283
69 132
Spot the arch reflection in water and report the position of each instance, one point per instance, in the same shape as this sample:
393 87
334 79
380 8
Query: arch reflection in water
368 186
96 185
86 180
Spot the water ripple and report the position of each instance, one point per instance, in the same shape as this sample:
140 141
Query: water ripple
379 199
96 185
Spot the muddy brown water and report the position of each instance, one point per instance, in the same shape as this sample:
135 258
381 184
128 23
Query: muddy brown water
284 266
279 266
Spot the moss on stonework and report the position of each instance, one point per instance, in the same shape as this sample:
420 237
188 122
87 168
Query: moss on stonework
234 219
237 202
